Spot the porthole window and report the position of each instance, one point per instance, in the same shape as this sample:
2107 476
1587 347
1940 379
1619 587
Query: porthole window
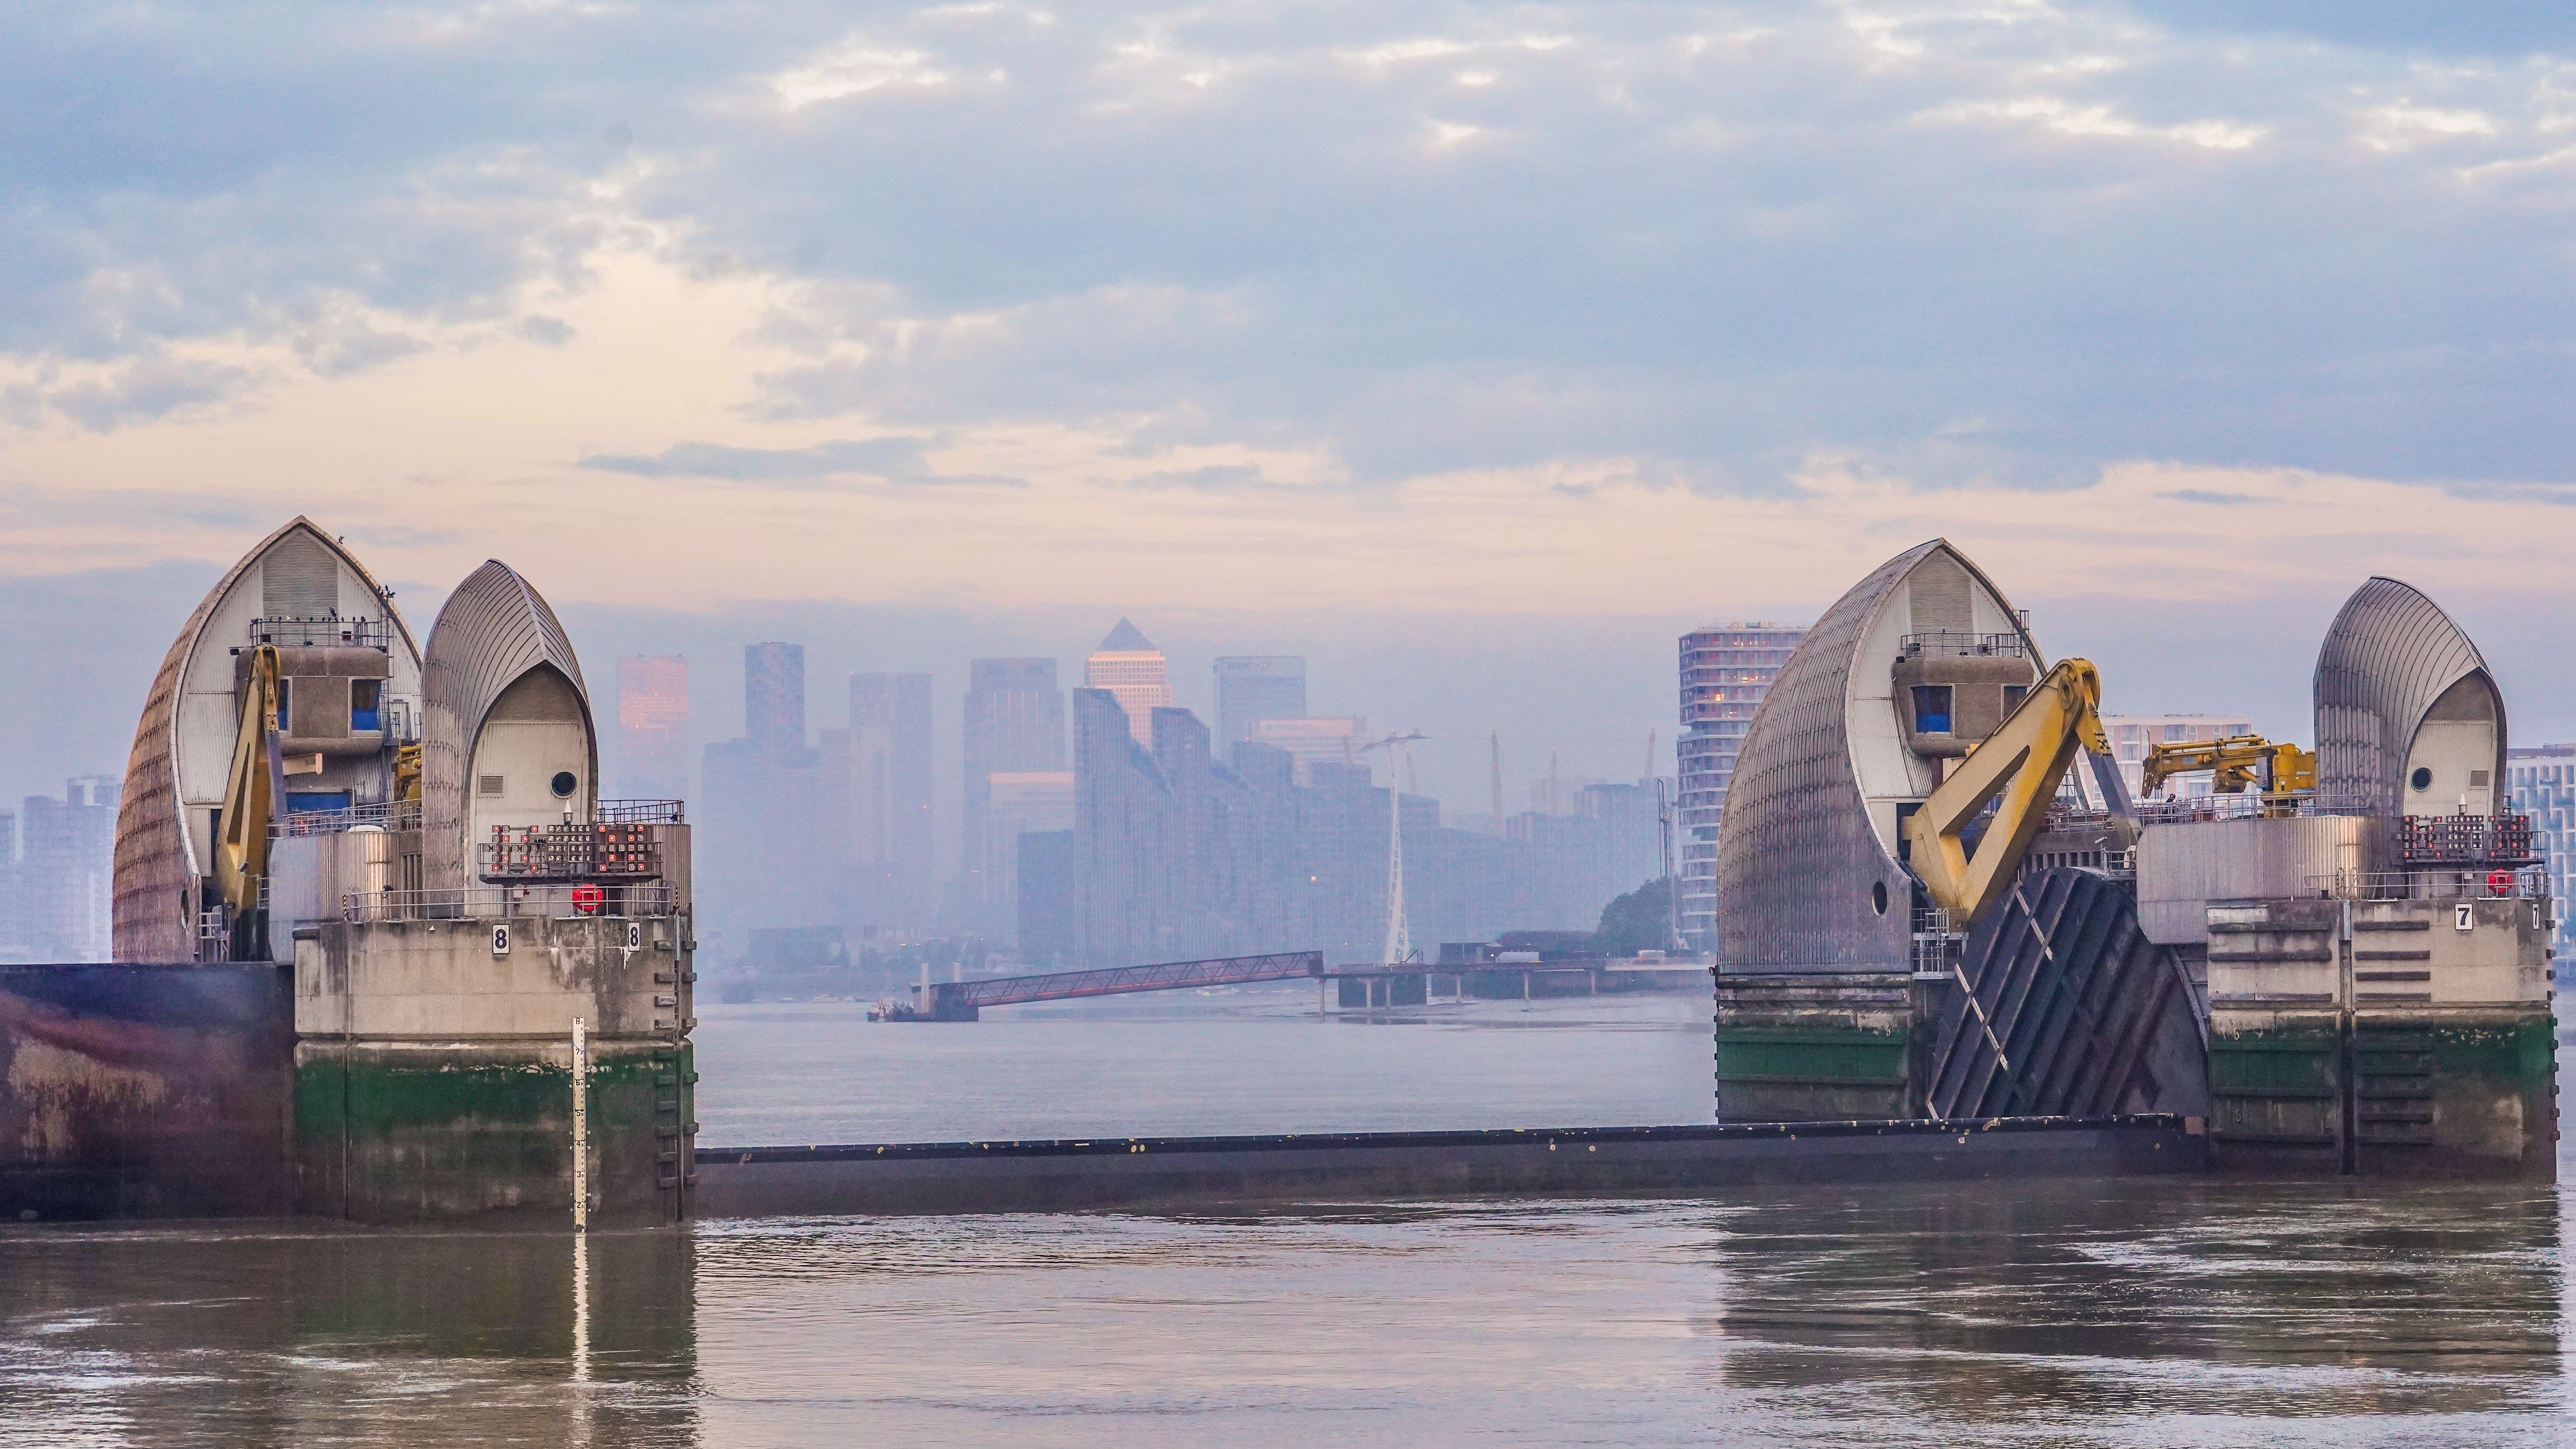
564 784
2422 778
1878 897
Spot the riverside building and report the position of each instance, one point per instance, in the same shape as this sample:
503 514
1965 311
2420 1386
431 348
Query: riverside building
1726 669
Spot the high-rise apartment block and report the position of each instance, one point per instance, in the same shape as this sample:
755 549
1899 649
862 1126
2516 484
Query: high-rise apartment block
762 812
1251 688
891 798
1725 671
1015 729
2131 734
2540 781
653 726
1135 674
56 863
773 694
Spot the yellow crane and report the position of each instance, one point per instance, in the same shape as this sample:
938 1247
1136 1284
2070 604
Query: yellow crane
250 787
2234 763
2018 768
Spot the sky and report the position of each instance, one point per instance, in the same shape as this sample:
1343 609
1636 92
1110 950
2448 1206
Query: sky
1474 350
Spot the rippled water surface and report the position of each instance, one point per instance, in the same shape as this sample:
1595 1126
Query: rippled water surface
2142 1312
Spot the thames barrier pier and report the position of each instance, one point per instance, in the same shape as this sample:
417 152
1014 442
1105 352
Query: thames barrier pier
421 840
1936 900
384 953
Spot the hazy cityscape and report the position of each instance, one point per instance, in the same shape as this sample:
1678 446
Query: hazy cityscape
1733 723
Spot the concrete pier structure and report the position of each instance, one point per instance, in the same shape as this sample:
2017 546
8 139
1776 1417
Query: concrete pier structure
2379 982
2351 978
418 837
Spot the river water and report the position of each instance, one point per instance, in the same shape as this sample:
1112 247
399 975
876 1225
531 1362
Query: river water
2143 1312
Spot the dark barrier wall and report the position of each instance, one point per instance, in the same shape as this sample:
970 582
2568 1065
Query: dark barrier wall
144 1091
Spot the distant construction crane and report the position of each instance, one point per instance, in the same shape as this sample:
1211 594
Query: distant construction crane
1399 934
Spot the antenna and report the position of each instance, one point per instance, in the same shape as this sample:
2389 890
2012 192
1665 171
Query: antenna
1399 931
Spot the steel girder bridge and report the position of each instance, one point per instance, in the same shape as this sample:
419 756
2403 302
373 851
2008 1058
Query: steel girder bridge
964 1000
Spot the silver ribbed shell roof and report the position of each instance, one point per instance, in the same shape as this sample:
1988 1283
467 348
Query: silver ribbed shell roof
493 630
1796 854
2388 656
153 895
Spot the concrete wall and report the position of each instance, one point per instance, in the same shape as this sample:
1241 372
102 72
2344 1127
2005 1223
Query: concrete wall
143 1091
2182 868
433 1074
2407 1047
440 980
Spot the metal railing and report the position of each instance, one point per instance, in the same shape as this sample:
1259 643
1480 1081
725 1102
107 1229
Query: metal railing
1959 643
2246 805
2527 883
565 902
2474 840
639 812
569 853
393 815
304 633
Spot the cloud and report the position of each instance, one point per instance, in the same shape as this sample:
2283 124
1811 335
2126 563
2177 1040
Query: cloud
1730 241
144 388
895 459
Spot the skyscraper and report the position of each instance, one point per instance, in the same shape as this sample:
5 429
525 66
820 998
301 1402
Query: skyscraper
1725 671
653 726
58 885
1014 726
773 694
1133 671
762 811
890 805
1254 687
2541 783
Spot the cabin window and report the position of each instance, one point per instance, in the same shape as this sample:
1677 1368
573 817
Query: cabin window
366 704
283 714
2014 694
301 801
1931 709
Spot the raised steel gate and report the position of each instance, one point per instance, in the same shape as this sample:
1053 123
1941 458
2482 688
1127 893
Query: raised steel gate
2075 1012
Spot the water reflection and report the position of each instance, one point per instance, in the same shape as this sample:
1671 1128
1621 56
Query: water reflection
2079 1302
287 1334
2140 1313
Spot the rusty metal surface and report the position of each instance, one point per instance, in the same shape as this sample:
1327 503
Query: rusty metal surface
492 631
154 891
144 1091
2388 656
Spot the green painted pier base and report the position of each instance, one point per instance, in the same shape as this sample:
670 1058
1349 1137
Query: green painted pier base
433 1069
1816 1048
2383 1038
2432 1093
417 1133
